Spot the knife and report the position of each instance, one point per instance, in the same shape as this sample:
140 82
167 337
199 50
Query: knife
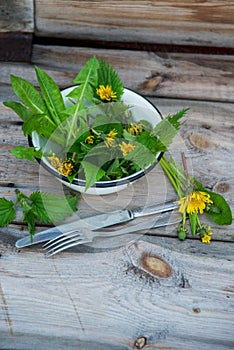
96 222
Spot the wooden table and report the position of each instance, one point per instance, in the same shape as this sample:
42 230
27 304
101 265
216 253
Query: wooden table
110 295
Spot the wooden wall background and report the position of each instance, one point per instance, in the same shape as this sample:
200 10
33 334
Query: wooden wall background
152 25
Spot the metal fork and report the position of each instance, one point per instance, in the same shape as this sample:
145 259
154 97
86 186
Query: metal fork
85 235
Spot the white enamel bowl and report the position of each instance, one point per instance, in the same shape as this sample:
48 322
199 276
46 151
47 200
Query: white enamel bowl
142 109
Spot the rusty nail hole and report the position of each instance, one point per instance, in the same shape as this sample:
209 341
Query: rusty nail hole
140 343
196 310
156 266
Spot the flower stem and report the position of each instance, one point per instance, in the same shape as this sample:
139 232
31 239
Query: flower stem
170 172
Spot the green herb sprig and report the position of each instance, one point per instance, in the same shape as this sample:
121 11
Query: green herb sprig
43 207
95 132
195 200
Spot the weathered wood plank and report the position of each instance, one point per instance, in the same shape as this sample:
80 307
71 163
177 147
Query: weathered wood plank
184 76
16 30
203 23
109 294
112 298
17 16
202 140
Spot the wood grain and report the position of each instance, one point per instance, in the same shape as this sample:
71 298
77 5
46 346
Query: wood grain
183 76
110 299
138 291
203 23
17 16
206 135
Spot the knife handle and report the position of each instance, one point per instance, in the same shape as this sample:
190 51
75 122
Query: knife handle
155 209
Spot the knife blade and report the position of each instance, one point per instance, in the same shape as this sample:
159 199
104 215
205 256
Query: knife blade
96 222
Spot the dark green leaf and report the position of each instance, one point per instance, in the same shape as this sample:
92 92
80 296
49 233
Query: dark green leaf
151 142
50 208
93 173
108 76
7 212
141 156
52 95
81 91
28 95
29 218
166 129
40 123
219 211
88 73
29 153
23 112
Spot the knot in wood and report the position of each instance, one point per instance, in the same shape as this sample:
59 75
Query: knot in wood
156 266
222 187
140 343
199 141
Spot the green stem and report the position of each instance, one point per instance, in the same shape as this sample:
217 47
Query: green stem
171 174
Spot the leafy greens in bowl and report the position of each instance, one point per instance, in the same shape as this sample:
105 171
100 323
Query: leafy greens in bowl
94 135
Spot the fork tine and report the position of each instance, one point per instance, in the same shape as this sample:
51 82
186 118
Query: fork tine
61 238
66 240
64 247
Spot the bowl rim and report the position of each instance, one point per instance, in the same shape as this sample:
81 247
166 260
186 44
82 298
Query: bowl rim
103 184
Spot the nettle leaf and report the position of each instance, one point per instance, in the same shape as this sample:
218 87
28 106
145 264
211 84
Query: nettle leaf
93 173
52 95
174 119
49 208
7 212
108 76
151 142
29 153
28 95
23 112
141 156
29 218
166 129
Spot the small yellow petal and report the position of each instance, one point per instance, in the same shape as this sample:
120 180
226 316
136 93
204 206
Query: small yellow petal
106 93
126 148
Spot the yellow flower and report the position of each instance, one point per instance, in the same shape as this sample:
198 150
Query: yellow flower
109 139
67 168
64 168
206 238
194 202
126 148
106 93
89 139
135 129
55 162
